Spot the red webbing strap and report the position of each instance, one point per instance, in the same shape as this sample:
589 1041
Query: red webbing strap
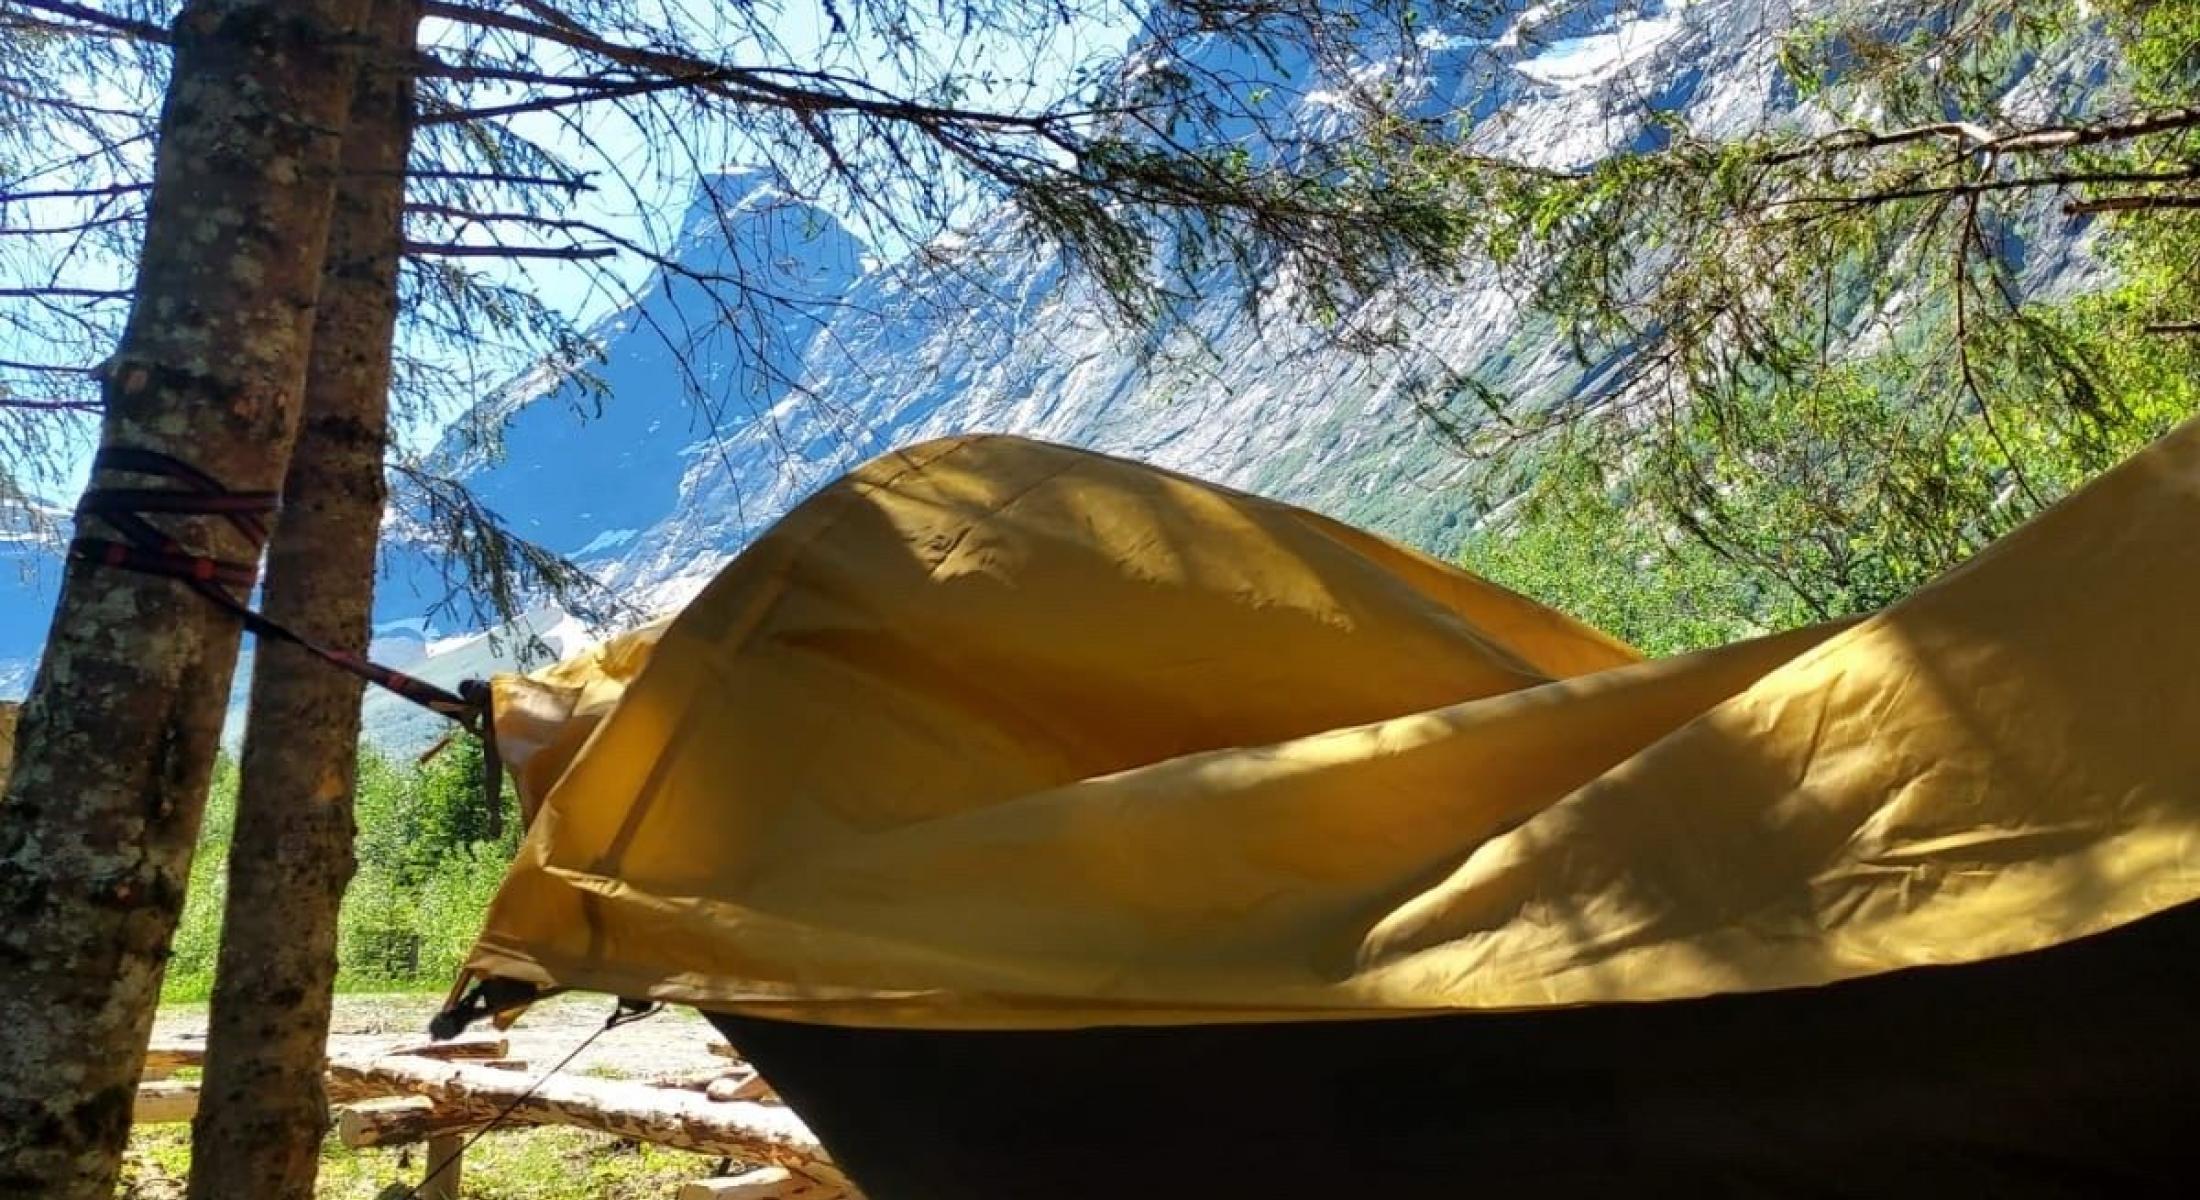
149 550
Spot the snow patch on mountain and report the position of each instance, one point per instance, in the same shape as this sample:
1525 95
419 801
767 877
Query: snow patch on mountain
990 331
1575 62
708 419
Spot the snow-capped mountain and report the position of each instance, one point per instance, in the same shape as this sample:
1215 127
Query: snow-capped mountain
827 361
588 466
995 332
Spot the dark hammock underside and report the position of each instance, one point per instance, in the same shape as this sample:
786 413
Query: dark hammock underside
2073 1071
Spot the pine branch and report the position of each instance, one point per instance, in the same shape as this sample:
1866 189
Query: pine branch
14 89
639 87
9 364
2053 180
1971 136
126 26
11 401
75 227
453 212
427 66
91 193
484 560
64 293
575 227
1962 132
575 183
2167 120
550 13
455 250
2078 208
748 85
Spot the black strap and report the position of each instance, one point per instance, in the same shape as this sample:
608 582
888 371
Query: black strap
149 550
478 693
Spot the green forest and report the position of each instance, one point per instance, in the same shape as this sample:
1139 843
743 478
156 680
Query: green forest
1836 496
1843 380
426 869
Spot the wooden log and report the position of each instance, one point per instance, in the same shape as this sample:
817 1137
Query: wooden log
165 1102
169 1101
741 1087
728 1076
687 1081
696 1081
167 1059
768 1183
446 1162
683 1120
404 1120
351 1091
470 1046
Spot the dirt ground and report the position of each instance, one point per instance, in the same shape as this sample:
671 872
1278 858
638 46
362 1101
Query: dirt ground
674 1042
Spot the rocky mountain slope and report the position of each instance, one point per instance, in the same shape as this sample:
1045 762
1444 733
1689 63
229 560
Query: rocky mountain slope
993 332
830 361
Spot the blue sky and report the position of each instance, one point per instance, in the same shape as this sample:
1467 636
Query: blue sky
658 185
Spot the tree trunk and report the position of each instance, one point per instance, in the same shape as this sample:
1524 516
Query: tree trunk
263 1110
120 732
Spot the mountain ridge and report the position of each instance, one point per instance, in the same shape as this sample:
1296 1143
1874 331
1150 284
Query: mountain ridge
714 420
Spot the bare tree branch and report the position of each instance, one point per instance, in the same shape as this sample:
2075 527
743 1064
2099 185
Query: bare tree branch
574 183
86 193
99 18
2129 204
590 95
2055 180
455 250
1971 136
757 85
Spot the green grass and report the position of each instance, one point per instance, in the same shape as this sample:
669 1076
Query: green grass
519 1164
534 1164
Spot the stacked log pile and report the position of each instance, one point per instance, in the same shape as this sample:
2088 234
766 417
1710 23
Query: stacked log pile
444 1093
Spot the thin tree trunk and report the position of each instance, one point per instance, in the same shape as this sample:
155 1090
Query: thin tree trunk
263 1109
120 732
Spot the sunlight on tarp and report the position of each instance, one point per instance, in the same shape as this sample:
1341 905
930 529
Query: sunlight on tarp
999 734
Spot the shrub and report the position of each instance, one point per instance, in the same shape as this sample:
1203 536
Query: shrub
426 871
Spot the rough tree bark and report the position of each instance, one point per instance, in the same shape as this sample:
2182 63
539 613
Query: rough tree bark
263 1109
119 735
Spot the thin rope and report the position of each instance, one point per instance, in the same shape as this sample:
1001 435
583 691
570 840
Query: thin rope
622 1015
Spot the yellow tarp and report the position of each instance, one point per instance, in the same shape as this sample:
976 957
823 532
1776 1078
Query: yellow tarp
994 733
